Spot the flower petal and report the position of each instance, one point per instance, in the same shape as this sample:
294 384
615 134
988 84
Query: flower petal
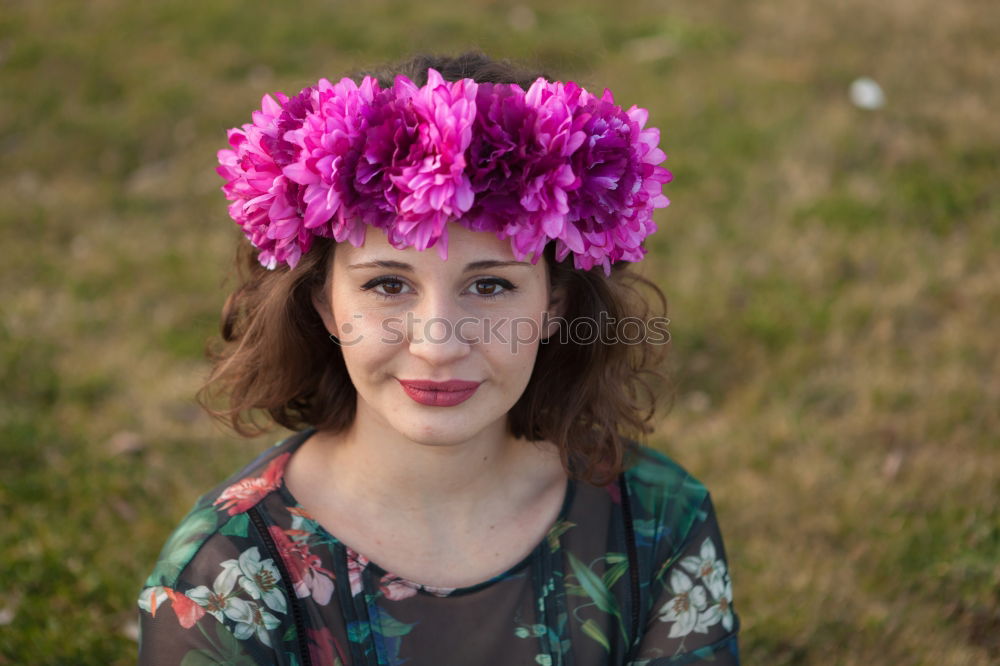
679 582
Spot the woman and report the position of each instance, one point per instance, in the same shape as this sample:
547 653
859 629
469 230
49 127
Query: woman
459 488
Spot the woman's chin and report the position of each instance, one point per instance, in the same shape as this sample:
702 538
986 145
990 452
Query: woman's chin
444 430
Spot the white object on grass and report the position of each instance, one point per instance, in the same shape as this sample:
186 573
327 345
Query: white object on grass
867 94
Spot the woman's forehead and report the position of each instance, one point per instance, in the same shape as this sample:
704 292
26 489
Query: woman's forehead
464 246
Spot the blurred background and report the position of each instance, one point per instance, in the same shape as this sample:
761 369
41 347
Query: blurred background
830 258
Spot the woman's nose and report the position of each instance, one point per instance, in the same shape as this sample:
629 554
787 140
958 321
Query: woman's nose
439 330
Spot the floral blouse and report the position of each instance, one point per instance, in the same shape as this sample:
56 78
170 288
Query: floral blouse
249 577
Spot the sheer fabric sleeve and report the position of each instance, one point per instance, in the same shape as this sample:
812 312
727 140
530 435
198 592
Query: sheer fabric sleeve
224 610
692 619
175 629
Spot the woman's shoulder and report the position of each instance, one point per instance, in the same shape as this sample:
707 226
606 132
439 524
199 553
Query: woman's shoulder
653 471
220 514
666 500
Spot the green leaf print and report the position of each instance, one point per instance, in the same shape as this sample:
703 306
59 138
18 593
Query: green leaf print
593 585
229 652
199 658
664 480
357 632
595 588
229 644
182 546
236 526
207 658
618 565
700 516
591 629
391 626
557 531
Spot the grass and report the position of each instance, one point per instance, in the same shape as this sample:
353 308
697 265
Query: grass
832 277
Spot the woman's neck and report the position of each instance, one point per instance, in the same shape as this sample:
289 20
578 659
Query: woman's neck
386 476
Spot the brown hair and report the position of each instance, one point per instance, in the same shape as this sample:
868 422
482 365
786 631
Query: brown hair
589 399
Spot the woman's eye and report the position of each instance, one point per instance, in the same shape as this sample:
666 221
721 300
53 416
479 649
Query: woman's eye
491 285
390 287
393 287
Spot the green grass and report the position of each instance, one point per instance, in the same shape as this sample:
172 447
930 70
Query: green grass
832 277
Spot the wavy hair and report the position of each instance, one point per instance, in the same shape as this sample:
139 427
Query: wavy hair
591 399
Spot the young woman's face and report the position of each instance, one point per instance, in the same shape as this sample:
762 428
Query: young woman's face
409 316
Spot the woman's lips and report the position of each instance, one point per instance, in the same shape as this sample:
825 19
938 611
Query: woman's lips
439 394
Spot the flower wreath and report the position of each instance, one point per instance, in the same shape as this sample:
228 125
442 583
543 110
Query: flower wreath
554 162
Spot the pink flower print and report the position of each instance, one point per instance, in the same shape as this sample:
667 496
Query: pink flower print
395 588
301 513
309 578
324 648
243 494
356 564
187 610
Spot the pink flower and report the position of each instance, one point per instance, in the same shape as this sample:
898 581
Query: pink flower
412 177
612 209
330 141
501 138
434 184
547 174
309 578
243 494
265 204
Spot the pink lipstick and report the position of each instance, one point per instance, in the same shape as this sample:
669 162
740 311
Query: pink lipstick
439 394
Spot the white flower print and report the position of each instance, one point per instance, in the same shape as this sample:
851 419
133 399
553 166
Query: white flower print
684 609
702 600
252 618
722 609
257 578
152 598
260 578
725 605
219 601
706 567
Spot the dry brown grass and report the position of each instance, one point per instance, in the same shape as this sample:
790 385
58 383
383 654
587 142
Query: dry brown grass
833 279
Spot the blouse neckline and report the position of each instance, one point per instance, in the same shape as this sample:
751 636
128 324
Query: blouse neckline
366 563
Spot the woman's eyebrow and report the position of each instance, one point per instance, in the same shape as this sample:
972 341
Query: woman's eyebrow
472 266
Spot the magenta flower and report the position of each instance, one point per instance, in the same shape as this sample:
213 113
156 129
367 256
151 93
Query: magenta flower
414 160
329 141
393 129
547 174
265 205
501 135
550 164
621 185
